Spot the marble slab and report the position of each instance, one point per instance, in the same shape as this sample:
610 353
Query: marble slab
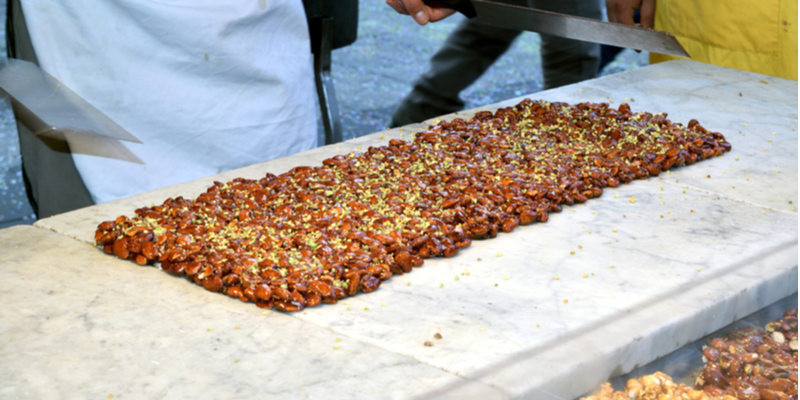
673 279
698 247
77 324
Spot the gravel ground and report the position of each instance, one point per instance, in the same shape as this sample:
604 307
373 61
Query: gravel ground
371 77
14 206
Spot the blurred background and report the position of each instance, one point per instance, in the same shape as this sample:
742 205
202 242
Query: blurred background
371 77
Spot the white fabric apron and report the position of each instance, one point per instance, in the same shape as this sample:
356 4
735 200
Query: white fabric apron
206 85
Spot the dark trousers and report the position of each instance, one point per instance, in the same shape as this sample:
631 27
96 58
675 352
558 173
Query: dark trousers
473 47
52 182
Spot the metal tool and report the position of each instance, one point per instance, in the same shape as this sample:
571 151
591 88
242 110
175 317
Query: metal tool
530 19
52 111
48 108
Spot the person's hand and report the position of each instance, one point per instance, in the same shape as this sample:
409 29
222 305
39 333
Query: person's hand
621 11
421 12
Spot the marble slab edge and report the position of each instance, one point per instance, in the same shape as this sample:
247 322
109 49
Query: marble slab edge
648 330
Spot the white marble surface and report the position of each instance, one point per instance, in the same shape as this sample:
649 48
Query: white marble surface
724 247
77 324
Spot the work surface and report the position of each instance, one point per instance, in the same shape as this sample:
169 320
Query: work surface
547 311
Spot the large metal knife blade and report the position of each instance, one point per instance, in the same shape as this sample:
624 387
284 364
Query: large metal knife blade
568 26
53 112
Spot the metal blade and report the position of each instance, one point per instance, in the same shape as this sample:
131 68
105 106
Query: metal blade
571 27
50 109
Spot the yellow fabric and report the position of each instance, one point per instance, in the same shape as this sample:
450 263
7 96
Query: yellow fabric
751 35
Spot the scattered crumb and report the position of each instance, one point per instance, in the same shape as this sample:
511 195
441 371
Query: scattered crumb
499 254
572 252
566 301
335 347
437 335
585 276
428 343
237 326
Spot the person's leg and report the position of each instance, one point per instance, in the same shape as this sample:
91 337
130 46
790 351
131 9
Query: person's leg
466 54
566 61
51 180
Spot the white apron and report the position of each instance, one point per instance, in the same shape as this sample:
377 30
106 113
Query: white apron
206 85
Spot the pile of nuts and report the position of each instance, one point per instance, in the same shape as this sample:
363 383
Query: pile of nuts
319 234
658 386
752 364
747 364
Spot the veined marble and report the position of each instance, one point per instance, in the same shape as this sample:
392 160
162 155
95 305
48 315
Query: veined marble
77 324
520 315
